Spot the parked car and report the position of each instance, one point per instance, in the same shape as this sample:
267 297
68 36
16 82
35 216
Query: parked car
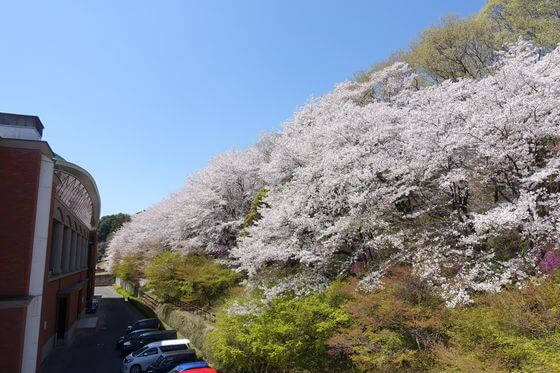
140 360
129 336
168 360
200 370
140 340
144 324
188 367
92 305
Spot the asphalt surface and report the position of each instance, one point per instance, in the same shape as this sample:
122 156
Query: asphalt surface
93 350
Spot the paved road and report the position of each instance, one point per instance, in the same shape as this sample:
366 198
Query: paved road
93 350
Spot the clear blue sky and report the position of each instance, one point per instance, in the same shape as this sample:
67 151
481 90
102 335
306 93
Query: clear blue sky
143 93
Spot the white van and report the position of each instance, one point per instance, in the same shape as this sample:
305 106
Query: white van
140 360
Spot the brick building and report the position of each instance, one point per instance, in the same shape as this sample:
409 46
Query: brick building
48 208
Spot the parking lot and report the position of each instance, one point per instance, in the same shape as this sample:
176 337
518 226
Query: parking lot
93 349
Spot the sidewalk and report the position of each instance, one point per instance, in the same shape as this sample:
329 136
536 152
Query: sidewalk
93 349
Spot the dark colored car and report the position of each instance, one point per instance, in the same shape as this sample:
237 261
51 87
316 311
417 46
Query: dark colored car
140 340
129 336
143 324
170 360
92 305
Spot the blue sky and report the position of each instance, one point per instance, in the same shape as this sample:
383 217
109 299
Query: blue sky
142 93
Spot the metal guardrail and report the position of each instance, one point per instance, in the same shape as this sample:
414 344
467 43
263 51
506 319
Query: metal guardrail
153 302
148 300
189 307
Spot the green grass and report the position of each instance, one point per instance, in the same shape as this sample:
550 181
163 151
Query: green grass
145 310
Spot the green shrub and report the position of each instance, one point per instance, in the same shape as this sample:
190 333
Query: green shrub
161 274
518 329
289 334
253 214
129 267
394 327
404 326
190 278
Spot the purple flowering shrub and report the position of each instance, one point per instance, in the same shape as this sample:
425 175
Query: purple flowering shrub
550 261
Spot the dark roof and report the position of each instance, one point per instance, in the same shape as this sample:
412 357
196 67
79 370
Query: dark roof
144 320
58 157
141 331
22 120
159 332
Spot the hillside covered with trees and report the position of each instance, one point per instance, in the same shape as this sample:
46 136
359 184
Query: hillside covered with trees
108 225
406 220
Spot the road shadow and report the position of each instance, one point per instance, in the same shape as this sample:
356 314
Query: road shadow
93 349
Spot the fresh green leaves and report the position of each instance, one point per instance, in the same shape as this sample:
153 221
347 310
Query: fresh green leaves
289 334
190 278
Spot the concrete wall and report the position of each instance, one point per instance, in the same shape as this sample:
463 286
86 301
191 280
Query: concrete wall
104 279
128 286
190 326
19 132
38 262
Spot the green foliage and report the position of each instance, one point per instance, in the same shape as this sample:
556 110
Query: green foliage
162 274
204 281
456 49
537 20
401 327
288 334
109 224
129 268
135 301
125 293
459 48
253 214
513 330
395 327
191 278
405 327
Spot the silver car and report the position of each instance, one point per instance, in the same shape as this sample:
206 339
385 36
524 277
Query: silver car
138 361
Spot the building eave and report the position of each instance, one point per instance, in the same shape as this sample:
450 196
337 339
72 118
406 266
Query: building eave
88 182
43 146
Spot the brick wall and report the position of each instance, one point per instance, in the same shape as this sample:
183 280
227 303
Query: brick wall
19 181
49 309
12 325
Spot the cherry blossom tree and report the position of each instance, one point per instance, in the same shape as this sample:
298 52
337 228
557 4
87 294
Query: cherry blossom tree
458 180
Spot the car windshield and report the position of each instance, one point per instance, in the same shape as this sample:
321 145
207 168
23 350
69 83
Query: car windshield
140 351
